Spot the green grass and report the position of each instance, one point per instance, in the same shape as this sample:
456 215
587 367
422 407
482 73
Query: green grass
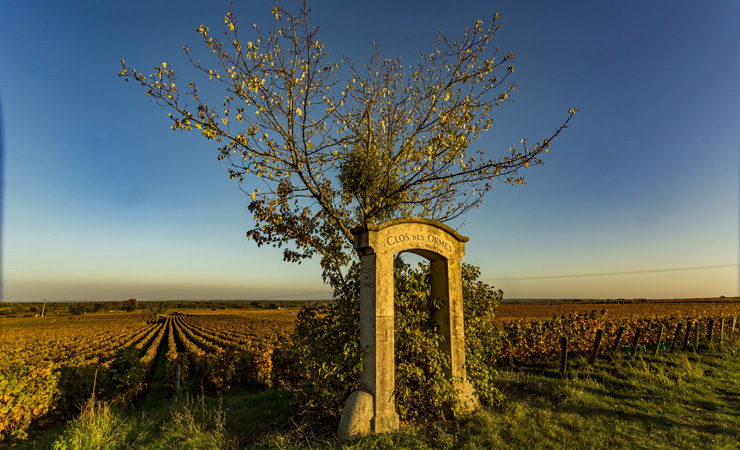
682 400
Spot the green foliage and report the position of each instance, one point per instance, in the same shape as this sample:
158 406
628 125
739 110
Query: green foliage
125 374
249 367
482 342
28 393
77 309
130 305
422 390
122 379
366 179
76 382
325 362
158 307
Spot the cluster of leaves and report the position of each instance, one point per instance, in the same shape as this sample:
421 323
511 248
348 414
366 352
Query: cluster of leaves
121 378
130 305
480 302
324 362
422 389
249 368
27 393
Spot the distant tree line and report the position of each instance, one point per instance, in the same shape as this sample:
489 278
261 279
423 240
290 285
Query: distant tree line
132 305
225 304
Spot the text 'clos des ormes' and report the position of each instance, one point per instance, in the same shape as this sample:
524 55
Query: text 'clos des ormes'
420 239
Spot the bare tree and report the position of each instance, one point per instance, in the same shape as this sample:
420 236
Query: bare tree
337 145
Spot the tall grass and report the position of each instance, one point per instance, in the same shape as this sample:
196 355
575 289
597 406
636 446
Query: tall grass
97 427
186 423
194 425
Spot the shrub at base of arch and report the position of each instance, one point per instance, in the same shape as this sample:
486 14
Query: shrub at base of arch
482 339
324 363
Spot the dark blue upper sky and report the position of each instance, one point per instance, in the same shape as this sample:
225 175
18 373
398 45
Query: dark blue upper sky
103 201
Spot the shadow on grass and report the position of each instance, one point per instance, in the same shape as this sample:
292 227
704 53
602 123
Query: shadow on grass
250 417
688 399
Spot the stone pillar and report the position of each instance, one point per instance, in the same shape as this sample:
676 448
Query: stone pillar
376 335
455 322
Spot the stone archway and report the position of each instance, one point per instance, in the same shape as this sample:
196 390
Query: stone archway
373 407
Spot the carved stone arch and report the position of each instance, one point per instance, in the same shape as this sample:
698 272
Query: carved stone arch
373 407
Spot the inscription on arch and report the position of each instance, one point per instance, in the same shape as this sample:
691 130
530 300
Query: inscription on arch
367 278
427 242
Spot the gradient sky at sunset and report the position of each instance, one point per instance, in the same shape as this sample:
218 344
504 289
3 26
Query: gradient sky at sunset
639 197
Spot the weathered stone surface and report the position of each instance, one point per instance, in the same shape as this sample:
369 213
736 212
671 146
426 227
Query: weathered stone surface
357 415
376 246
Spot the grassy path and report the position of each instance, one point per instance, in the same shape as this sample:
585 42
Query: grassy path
156 392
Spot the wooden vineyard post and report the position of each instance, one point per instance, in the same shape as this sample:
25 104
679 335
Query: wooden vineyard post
616 341
734 321
564 357
597 344
635 341
696 337
721 330
660 338
710 331
688 335
676 337
178 368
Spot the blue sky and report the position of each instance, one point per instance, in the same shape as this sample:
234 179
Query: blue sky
102 201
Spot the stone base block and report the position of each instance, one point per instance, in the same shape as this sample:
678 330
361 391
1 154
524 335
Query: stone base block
468 399
357 415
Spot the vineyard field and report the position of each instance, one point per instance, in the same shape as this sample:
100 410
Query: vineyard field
531 332
50 365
